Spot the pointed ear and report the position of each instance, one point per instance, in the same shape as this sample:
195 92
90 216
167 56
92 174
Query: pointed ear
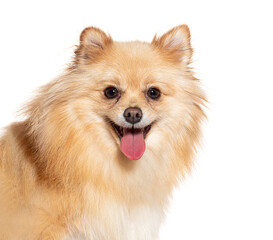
93 43
176 44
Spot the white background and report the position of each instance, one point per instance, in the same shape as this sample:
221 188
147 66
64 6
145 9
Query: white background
229 193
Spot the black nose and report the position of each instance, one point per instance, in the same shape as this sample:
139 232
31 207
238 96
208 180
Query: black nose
132 115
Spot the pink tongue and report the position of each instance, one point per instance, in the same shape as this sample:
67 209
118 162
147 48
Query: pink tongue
132 144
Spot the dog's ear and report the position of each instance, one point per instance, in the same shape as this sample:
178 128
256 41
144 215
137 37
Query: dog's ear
175 44
93 43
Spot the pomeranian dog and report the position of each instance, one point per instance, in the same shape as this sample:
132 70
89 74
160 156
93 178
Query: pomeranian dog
102 146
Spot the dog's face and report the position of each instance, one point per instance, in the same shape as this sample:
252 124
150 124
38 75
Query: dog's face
140 90
135 94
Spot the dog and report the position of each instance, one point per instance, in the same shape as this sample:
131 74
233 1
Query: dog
102 146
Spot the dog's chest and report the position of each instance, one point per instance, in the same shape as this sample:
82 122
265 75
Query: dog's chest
119 223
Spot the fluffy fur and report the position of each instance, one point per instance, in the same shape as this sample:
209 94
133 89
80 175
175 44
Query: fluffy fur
62 173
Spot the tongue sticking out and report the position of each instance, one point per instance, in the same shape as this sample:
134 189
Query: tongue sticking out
132 143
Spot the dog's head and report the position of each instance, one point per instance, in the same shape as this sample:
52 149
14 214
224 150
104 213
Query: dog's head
144 92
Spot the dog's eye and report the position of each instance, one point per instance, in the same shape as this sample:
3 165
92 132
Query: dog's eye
111 92
153 93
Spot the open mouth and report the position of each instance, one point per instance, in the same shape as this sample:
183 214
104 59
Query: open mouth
120 130
132 140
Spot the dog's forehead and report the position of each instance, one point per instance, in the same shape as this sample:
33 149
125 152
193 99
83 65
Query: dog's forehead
132 63
133 66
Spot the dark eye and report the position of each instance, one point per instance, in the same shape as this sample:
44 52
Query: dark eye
111 92
153 93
